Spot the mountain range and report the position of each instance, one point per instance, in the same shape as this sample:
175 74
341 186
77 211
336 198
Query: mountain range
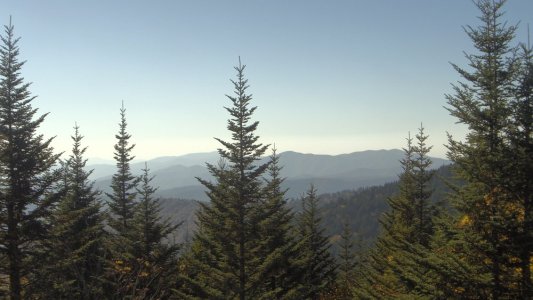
175 176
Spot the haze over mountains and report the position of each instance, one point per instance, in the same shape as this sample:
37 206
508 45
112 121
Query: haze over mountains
176 175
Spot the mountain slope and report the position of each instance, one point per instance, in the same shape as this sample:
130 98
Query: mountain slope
175 176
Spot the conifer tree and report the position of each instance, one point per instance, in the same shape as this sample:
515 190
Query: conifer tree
76 246
26 162
123 182
520 167
225 249
121 264
316 263
395 268
347 262
155 258
490 200
277 270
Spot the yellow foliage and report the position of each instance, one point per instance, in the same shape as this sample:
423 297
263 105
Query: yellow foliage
488 199
514 259
518 210
465 221
390 258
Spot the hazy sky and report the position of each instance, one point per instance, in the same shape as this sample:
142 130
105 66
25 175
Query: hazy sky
328 76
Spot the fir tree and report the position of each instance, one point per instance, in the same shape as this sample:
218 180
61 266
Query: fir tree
347 262
395 268
123 183
26 161
316 263
277 270
121 265
489 198
155 258
520 167
225 249
424 210
76 248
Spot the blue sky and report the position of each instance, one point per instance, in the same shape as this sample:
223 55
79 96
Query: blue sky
328 76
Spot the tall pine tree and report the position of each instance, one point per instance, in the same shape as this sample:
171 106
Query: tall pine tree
155 257
225 249
493 199
394 268
277 269
316 262
76 249
520 167
121 265
123 182
26 162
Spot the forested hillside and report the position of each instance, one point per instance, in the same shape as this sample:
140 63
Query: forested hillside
463 231
361 208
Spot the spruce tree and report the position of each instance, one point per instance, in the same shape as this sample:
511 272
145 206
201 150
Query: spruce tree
520 167
225 250
277 270
121 264
123 183
26 162
395 267
76 246
490 200
317 265
347 262
155 257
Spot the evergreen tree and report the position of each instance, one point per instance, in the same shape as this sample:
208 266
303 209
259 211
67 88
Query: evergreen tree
277 252
424 210
122 264
155 258
122 200
76 248
395 268
347 264
225 250
520 167
26 162
493 199
317 264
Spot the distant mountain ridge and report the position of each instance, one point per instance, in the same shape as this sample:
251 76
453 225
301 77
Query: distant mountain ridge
176 175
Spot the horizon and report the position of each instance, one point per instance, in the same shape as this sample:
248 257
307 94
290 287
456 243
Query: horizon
91 161
327 78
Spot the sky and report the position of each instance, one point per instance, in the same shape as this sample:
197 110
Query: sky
328 77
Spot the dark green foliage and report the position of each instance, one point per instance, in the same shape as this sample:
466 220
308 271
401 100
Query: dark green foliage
520 167
495 158
225 251
123 183
395 267
364 206
76 254
348 261
424 209
122 267
316 263
277 270
26 161
155 258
